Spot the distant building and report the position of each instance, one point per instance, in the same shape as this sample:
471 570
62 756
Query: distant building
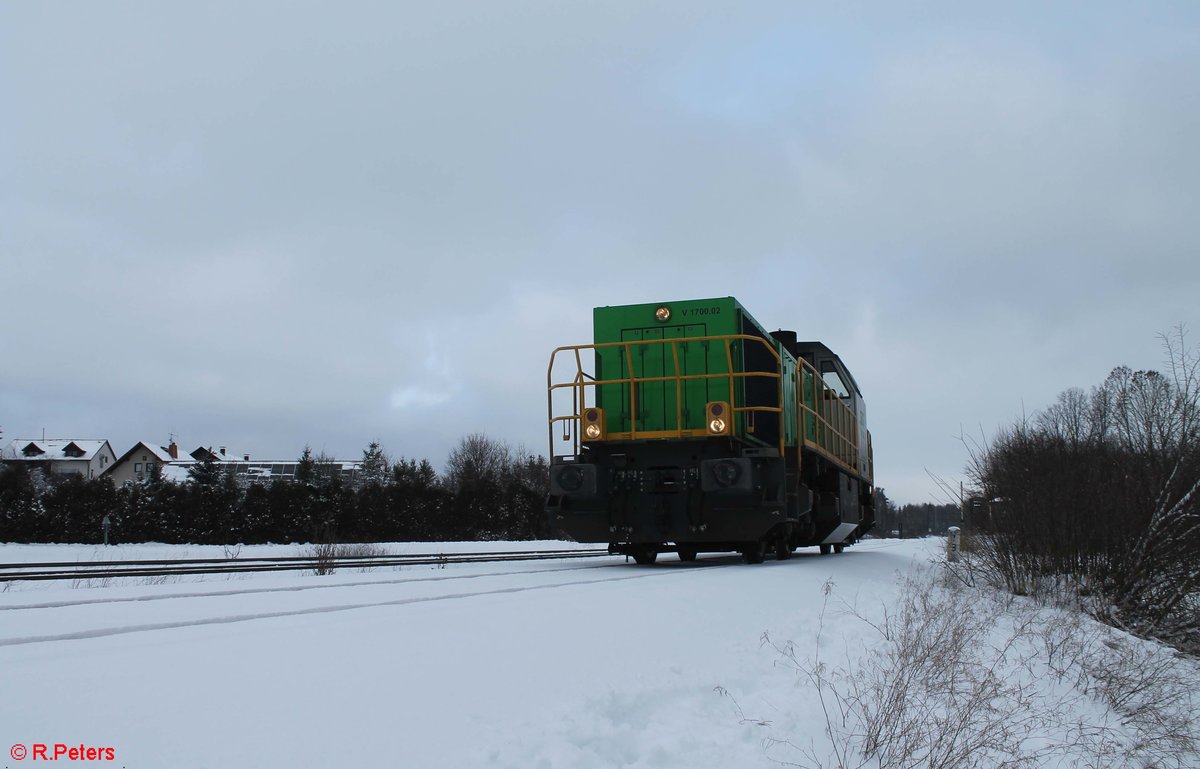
140 462
87 457
248 470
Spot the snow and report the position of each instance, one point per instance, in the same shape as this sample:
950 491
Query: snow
589 663
55 553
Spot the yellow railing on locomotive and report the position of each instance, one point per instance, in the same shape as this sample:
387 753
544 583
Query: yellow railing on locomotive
582 380
834 429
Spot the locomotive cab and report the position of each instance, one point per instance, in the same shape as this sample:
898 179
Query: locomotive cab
840 381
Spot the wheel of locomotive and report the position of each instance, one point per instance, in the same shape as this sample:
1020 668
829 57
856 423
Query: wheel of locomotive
839 547
645 556
754 552
825 549
783 549
687 553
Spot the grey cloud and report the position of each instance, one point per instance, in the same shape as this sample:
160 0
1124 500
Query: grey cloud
273 224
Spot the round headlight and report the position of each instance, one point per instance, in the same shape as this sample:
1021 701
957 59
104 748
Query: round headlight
570 478
592 431
717 409
663 314
716 426
592 415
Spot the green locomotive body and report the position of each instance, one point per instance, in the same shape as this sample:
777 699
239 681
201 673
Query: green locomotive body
686 427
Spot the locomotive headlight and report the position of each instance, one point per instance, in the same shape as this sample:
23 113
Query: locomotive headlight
662 314
716 415
592 424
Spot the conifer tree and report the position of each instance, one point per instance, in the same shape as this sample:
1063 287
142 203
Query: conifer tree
306 468
374 470
206 472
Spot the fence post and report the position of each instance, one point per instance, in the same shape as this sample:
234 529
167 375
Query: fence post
952 543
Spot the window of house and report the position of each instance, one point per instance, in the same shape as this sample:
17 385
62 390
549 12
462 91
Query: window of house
137 467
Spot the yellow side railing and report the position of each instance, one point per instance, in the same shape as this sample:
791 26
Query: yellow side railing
827 425
581 381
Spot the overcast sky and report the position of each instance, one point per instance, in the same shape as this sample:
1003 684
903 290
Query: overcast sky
264 225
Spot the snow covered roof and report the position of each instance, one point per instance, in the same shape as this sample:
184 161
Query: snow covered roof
177 472
159 452
61 449
221 454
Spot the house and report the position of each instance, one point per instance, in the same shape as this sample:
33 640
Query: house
246 470
140 462
87 457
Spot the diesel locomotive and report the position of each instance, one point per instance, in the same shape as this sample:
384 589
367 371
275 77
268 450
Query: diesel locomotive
686 427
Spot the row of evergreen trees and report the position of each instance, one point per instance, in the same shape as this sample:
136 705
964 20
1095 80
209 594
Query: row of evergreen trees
489 491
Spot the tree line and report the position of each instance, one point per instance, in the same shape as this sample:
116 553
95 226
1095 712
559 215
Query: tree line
488 491
913 520
1097 498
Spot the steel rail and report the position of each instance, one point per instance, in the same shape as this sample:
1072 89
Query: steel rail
12 572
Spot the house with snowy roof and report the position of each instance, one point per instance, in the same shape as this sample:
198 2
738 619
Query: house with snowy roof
247 470
88 457
145 458
140 462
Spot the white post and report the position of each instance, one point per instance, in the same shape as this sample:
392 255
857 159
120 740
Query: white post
952 544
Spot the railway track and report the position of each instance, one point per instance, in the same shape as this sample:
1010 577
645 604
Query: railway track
62 570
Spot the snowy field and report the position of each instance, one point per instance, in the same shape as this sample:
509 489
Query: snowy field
594 663
18 553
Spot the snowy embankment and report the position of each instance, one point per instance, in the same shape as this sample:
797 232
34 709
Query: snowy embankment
21 553
578 664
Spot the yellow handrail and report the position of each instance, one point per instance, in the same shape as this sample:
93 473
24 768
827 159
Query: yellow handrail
835 424
834 433
581 381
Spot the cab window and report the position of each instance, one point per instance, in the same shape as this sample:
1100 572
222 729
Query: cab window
833 380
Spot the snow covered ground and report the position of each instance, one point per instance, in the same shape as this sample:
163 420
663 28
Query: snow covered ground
21 553
593 663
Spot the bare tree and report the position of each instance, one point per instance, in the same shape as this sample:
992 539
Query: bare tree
1099 494
477 458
